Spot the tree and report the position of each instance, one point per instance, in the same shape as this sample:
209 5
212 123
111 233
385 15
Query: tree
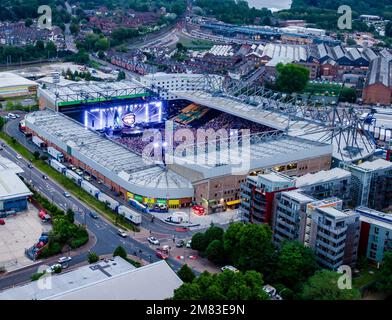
74 28
324 286
215 252
213 233
40 45
186 274
295 264
28 22
101 54
199 242
36 155
101 44
351 42
250 247
227 285
121 75
348 95
92 257
386 273
120 251
291 77
70 215
388 29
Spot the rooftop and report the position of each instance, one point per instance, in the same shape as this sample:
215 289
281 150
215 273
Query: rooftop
9 79
375 217
113 279
11 186
298 195
322 177
378 164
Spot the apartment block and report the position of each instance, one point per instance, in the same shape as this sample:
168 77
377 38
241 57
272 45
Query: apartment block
290 216
258 195
376 234
332 233
371 184
326 184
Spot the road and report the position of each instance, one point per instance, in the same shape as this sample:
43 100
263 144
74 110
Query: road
105 233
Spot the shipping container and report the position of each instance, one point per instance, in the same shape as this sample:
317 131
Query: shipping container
57 166
73 176
91 189
55 154
130 214
112 204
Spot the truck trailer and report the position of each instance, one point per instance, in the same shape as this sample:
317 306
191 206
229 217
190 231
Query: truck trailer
88 187
130 214
57 155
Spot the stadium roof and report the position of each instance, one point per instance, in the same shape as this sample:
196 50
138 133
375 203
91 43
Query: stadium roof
88 91
265 150
113 279
298 127
110 158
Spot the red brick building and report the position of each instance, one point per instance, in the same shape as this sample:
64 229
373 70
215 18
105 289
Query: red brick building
378 85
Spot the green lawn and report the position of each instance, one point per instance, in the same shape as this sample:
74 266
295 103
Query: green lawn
365 277
194 44
69 185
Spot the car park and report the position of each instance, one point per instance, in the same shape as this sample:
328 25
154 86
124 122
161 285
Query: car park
122 233
153 240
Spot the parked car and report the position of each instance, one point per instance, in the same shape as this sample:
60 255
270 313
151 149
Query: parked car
66 194
153 240
64 260
2 222
44 177
18 156
93 215
180 244
189 244
122 233
231 268
1 148
30 165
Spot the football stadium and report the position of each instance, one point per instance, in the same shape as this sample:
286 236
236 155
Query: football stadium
100 128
